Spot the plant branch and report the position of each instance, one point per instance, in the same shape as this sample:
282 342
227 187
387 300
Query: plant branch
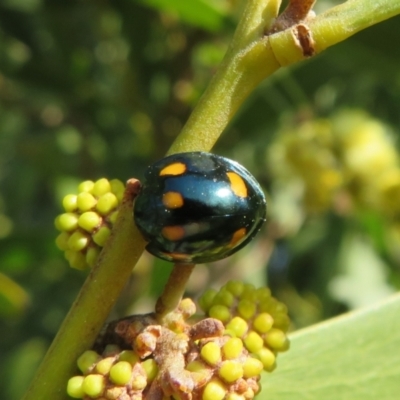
247 62
332 27
92 306
173 290
252 57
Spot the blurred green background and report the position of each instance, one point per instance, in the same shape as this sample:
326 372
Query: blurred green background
102 88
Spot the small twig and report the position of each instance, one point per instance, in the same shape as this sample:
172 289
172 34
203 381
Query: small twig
173 290
297 11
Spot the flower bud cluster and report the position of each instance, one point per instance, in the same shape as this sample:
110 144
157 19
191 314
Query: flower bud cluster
346 160
87 221
115 374
222 368
252 315
212 359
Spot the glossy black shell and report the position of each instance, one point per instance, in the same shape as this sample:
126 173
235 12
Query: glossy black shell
219 207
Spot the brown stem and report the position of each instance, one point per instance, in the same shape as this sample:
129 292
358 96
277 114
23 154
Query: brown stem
296 12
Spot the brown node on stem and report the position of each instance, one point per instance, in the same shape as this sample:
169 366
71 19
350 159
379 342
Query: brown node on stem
304 40
123 331
295 17
297 11
132 189
171 350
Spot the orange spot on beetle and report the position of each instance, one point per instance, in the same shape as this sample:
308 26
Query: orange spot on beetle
237 237
176 168
173 233
179 256
172 200
237 184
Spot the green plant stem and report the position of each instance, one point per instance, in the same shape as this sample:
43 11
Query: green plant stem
252 57
173 290
333 26
92 306
350 17
248 61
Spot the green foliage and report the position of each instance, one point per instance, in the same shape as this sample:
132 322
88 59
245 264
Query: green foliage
198 13
350 357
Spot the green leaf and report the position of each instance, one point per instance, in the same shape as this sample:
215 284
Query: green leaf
199 13
352 357
360 266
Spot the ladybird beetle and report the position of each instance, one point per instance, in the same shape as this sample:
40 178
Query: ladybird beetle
198 207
